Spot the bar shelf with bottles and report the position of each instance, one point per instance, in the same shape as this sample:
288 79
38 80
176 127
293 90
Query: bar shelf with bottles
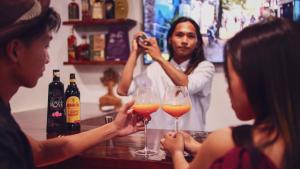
129 23
103 28
110 62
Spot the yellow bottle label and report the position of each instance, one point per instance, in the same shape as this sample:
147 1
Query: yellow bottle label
73 109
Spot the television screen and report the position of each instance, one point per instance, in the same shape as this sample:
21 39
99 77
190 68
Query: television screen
296 11
218 20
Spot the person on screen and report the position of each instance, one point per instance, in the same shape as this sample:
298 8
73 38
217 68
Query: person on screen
187 67
25 34
262 71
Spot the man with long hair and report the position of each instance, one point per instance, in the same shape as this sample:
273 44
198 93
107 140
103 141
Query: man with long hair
187 67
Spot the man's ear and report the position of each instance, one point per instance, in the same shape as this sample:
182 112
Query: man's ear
12 50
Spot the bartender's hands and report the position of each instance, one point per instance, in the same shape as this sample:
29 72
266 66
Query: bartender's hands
190 144
135 46
126 121
153 49
173 143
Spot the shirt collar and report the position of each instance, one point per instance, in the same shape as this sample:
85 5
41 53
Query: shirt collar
182 66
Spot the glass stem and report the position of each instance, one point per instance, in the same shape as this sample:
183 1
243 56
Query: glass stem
145 136
176 125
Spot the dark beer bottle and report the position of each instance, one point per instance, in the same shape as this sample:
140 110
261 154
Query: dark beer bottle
72 96
56 119
73 10
109 6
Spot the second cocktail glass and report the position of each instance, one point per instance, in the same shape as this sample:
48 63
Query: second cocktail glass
176 102
147 101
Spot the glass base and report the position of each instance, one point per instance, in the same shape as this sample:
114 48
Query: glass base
145 152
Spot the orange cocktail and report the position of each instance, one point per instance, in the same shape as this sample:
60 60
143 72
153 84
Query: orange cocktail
145 109
176 110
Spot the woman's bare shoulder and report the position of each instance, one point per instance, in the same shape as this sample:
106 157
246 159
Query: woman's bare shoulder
219 142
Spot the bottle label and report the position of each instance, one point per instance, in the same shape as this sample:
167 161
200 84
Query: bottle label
73 109
71 54
56 103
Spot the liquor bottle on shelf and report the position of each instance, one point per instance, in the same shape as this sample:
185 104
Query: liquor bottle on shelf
83 50
97 9
73 10
121 9
72 96
109 6
72 44
97 47
56 119
85 10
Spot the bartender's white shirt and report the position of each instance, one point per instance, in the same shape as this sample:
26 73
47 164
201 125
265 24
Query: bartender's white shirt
199 87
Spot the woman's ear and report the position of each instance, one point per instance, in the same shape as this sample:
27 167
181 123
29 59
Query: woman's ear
12 50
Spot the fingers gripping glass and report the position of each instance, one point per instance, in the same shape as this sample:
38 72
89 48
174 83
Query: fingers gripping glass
146 102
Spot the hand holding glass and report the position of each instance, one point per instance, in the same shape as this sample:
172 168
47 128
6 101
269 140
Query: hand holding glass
146 102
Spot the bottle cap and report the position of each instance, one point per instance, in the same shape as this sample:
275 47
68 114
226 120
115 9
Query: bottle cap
72 75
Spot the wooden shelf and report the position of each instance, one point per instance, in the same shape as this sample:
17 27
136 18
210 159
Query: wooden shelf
95 63
102 22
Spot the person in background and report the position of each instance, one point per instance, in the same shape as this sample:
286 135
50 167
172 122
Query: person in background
25 34
262 71
187 67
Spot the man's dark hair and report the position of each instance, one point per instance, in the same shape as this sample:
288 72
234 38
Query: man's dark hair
198 53
50 20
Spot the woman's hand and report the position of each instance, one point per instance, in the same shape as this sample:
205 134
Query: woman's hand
152 48
127 122
190 144
173 143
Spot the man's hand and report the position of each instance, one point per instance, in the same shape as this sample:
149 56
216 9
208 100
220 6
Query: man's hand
126 121
135 46
153 49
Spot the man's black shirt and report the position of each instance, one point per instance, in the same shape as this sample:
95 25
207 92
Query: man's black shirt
15 150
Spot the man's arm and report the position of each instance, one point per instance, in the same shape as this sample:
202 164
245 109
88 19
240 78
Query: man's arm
127 74
58 149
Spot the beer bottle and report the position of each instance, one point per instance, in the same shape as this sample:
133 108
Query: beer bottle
72 96
72 44
56 119
73 10
109 6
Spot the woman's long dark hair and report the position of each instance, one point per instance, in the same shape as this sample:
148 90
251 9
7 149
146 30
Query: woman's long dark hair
266 56
198 53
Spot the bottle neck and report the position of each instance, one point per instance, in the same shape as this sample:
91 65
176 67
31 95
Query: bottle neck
56 78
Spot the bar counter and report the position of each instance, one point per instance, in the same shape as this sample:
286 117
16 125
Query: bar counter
116 153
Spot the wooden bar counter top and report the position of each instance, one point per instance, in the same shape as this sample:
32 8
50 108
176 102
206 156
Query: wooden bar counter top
117 153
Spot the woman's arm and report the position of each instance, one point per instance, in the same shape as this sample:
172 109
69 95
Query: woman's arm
190 144
216 145
58 149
